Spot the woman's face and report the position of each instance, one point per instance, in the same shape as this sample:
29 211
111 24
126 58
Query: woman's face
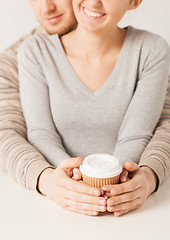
55 16
94 15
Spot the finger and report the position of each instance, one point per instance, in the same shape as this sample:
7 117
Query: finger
101 191
127 197
128 186
76 174
80 187
84 212
120 213
125 206
131 166
68 203
107 194
83 198
108 188
123 175
69 172
71 163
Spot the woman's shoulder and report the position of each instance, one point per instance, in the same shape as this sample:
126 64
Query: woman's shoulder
38 43
149 43
147 36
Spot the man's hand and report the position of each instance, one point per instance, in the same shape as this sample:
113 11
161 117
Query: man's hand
137 184
70 194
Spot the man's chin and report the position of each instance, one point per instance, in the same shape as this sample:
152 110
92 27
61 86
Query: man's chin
60 30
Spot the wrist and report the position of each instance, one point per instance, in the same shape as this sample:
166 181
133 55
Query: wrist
43 179
151 178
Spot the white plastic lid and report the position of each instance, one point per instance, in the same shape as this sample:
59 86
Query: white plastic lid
101 166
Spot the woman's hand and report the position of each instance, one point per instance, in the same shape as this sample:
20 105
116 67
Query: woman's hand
137 184
59 185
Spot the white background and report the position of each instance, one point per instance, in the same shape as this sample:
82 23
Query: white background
16 19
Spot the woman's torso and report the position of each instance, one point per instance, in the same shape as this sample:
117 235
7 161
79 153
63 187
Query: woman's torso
89 121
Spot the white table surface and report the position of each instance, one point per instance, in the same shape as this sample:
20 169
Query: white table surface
26 215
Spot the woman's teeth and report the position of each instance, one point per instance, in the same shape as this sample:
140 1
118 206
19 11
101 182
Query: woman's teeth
92 14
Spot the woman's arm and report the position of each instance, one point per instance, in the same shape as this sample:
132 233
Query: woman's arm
146 105
35 101
157 153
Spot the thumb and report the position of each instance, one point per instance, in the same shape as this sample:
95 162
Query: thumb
131 166
71 163
76 174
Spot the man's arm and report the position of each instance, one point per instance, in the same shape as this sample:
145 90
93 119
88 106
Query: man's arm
17 157
157 153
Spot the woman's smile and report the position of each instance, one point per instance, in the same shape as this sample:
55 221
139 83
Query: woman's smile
93 14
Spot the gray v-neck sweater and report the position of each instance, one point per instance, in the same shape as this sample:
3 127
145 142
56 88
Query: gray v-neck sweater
66 119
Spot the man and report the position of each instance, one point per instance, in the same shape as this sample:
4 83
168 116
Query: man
30 169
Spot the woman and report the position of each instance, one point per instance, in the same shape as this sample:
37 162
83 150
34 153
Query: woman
97 89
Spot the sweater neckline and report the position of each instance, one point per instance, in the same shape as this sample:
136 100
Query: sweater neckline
108 83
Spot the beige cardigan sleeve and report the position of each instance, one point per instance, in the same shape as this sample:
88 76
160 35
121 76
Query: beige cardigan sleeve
17 157
24 163
157 152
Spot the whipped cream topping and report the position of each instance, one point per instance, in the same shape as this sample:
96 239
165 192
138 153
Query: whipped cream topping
101 166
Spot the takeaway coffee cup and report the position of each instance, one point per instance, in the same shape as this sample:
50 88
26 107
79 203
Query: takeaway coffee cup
100 169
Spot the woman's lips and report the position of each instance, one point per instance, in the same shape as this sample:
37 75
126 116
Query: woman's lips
93 14
54 19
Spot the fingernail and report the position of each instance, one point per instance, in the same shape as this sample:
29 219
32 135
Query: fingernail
101 207
112 208
101 202
95 213
77 175
117 214
124 178
97 193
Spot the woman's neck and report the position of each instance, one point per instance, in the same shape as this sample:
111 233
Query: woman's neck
93 44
